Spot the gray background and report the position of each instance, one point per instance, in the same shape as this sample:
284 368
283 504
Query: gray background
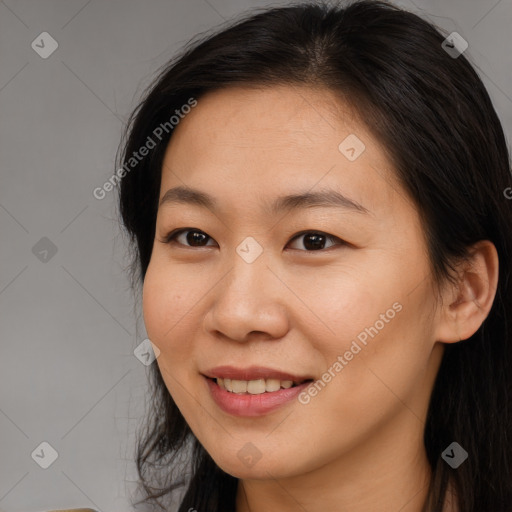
68 326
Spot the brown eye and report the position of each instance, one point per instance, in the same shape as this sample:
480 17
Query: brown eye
316 240
192 237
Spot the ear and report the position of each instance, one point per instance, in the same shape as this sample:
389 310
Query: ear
466 305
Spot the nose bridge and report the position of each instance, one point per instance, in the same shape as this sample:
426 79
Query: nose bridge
249 270
248 300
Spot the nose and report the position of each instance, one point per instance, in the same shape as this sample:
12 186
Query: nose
249 303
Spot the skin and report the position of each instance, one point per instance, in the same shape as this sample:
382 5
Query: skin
358 444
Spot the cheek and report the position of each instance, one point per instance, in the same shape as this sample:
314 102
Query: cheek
164 308
345 308
381 331
153 304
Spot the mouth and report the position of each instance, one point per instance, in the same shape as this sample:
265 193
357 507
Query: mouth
254 391
254 373
257 386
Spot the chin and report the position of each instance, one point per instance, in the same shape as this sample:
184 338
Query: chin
259 471
256 469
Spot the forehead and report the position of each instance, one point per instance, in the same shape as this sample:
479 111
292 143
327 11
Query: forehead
244 143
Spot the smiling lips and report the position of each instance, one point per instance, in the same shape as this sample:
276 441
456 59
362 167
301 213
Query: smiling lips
254 387
253 373
253 391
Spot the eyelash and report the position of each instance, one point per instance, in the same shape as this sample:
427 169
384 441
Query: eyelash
170 238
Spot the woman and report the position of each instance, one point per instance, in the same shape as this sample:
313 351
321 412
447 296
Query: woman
315 197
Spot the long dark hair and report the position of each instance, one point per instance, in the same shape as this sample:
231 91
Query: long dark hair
434 117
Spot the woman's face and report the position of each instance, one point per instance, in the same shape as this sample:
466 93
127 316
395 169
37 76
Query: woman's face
348 305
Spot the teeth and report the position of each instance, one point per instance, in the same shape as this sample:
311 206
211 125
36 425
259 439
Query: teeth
254 387
239 386
272 385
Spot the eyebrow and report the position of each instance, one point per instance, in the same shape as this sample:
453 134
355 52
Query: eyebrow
323 198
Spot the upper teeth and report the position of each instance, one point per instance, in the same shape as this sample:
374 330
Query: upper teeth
254 387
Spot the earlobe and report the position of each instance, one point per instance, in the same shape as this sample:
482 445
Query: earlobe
467 305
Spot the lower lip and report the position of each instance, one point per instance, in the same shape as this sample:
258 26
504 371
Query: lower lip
252 405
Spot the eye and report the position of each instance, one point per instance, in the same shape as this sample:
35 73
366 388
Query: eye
313 240
195 237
